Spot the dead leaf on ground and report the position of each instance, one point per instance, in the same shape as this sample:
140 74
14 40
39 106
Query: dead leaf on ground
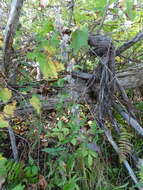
42 182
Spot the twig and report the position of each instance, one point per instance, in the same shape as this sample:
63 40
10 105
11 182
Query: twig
72 3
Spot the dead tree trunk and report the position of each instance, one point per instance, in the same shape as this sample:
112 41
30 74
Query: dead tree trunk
12 22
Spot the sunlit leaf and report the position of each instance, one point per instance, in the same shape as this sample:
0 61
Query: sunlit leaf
1 41
74 141
9 109
59 66
47 26
5 94
79 39
36 103
3 122
101 4
2 157
48 69
90 160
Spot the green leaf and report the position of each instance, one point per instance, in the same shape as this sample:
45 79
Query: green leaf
61 82
70 186
5 94
60 124
79 39
101 4
36 103
47 67
34 170
46 28
3 122
19 187
74 141
129 10
53 151
139 105
54 40
9 109
90 160
3 169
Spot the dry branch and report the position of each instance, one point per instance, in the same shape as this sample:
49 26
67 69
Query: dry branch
13 143
130 120
129 43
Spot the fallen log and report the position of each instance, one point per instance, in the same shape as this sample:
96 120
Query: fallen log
132 77
81 93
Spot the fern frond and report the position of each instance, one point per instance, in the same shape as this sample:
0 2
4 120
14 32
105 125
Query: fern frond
14 170
125 145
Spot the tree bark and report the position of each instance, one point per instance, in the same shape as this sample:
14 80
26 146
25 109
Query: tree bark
12 23
131 77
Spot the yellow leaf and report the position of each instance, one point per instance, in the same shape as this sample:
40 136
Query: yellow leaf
3 123
119 59
5 94
9 109
48 69
59 66
1 41
2 158
50 51
36 103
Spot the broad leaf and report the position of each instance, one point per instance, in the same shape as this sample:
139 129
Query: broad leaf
53 151
3 122
50 68
36 103
19 187
79 39
5 94
70 186
130 10
9 109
